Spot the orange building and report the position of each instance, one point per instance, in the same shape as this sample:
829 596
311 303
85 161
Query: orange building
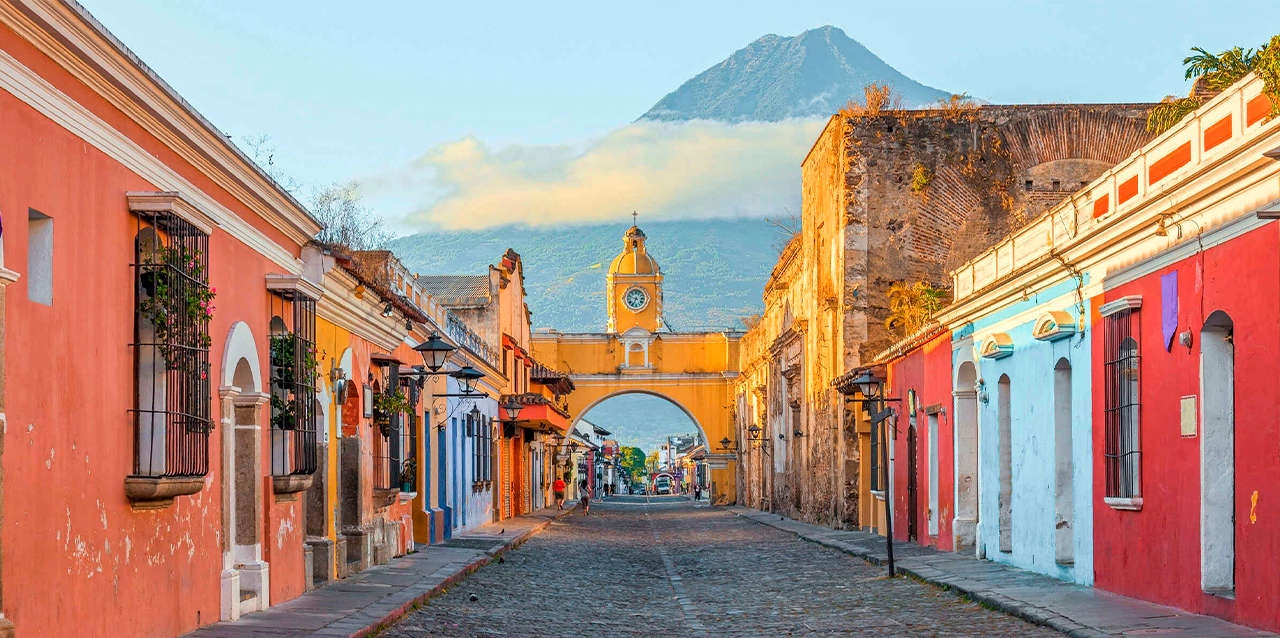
145 258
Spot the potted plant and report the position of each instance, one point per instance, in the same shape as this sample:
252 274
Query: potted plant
387 403
408 475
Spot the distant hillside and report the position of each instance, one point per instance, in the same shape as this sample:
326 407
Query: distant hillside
714 271
640 420
775 77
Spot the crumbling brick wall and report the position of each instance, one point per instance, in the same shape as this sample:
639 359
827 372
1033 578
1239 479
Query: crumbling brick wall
900 196
993 169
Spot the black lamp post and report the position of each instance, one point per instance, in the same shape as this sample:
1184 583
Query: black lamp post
467 377
434 352
871 388
512 409
727 445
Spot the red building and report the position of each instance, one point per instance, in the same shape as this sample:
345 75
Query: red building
1186 353
919 374
1187 496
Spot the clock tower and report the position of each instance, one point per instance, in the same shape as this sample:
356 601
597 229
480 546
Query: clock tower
633 287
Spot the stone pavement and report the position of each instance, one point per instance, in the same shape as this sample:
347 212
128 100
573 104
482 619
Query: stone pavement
664 566
358 606
1076 610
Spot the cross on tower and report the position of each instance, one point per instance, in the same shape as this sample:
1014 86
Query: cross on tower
633 218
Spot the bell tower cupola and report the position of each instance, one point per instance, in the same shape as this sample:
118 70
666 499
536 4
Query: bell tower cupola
633 287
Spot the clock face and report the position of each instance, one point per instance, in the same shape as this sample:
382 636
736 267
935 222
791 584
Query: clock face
636 299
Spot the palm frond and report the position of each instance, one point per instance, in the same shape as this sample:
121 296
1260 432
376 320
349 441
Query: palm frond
1169 112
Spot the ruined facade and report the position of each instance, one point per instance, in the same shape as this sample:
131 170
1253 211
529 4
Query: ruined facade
897 196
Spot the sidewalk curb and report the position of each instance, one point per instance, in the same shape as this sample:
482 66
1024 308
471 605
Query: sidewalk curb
1031 614
399 612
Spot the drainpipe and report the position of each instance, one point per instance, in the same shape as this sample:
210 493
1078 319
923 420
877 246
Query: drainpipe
6 277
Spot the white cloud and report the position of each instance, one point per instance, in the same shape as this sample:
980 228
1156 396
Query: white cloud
664 170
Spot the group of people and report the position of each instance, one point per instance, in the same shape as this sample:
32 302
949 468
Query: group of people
558 489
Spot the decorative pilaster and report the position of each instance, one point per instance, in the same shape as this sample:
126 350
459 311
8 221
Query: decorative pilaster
6 277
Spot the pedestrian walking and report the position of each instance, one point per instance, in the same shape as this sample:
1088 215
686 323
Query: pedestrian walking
586 497
558 488
697 492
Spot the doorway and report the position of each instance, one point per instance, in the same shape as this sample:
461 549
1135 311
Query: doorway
1064 466
1217 456
965 526
912 482
1004 407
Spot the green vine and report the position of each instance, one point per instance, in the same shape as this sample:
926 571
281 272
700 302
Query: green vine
920 178
389 402
287 372
179 319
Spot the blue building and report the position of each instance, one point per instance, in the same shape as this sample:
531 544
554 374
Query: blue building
1021 361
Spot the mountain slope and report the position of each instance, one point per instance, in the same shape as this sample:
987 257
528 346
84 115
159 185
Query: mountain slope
714 271
773 78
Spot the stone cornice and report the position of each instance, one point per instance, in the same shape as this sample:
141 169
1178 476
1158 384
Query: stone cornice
295 283
359 316
171 202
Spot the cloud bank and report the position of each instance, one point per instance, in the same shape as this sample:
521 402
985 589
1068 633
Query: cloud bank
663 170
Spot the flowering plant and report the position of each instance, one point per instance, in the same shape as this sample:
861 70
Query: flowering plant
293 363
178 305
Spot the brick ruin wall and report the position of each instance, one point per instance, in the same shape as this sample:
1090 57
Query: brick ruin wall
993 169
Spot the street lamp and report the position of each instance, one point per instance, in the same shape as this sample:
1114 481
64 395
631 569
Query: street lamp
755 433
512 409
873 402
869 386
467 376
434 352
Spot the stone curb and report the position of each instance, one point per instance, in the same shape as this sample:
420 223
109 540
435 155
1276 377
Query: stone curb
399 612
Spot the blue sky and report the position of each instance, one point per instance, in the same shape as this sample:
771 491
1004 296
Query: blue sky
363 90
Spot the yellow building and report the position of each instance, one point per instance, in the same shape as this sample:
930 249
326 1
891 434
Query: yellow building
693 370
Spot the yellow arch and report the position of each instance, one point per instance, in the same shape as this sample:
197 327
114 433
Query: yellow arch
582 413
693 370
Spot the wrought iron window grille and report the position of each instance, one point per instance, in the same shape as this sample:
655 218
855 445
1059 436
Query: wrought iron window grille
1122 376
173 303
294 372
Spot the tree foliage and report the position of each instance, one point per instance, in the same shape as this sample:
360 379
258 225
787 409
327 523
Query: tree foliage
1216 73
876 99
632 460
911 305
348 223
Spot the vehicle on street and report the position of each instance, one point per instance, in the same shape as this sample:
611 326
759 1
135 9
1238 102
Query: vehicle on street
662 485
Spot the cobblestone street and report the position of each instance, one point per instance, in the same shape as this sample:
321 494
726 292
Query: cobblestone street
664 567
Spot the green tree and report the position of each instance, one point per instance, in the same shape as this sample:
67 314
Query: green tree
632 460
911 305
1214 74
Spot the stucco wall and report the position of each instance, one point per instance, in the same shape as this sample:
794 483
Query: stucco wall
1031 370
92 557
925 370
1164 537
